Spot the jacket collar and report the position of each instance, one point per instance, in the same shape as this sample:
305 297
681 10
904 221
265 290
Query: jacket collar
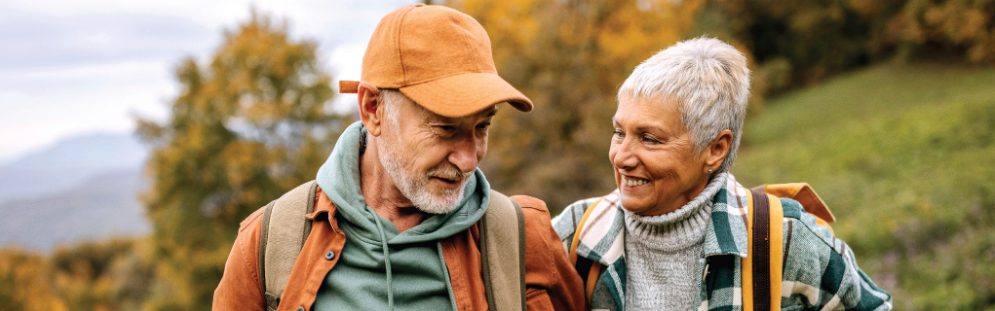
602 238
323 209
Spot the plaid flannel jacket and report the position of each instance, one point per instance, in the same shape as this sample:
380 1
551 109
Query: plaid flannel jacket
820 271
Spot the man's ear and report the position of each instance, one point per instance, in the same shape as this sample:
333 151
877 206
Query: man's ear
370 110
718 150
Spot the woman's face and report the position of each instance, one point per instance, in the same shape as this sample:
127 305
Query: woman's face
656 168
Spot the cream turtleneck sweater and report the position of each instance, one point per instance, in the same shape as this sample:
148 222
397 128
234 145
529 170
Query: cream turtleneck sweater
661 254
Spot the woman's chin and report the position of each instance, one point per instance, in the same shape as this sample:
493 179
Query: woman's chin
634 205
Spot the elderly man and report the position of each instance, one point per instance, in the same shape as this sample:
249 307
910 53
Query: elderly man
679 232
397 209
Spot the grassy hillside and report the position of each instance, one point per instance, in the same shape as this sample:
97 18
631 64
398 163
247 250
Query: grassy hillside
905 157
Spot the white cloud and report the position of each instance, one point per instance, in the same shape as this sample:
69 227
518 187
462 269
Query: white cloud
70 67
347 61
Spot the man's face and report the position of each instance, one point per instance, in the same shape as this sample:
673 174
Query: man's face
429 157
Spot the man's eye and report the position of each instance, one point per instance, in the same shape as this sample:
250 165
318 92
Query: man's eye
483 126
446 130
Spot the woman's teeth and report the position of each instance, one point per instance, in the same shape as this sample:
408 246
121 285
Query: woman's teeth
629 182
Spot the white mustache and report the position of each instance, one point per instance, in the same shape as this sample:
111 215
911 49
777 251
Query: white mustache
449 172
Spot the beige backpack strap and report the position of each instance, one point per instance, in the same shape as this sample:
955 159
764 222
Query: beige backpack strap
284 230
502 250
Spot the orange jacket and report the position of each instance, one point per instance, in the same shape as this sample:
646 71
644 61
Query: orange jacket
550 279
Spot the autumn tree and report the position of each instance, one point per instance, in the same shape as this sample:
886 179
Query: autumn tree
797 43
569 57
25 282
112 274
249 125
960 27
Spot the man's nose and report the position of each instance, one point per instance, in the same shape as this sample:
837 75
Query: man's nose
465 155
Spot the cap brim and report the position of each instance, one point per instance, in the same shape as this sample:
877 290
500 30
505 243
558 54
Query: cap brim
464 94
347 86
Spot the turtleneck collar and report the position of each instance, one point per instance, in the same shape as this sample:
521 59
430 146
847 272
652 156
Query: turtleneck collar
678 229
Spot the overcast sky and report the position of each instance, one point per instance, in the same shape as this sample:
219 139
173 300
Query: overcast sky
74 67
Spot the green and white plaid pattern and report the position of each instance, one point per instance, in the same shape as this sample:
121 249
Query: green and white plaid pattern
820 271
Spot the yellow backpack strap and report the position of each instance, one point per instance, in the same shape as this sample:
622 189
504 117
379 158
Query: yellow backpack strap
762 267
580 229
593 269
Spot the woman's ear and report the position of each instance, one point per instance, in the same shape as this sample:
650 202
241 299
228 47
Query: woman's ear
370 110
718 150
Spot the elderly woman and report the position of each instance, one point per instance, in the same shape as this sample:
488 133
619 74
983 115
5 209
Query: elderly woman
673 235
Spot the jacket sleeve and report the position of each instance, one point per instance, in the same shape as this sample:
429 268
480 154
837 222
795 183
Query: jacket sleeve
566 222
550 279
821 271
240 286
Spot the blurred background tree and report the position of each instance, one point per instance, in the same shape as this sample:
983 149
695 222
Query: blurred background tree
100 275
25 279
245 128
797 43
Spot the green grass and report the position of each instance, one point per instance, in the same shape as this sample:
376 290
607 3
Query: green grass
905 157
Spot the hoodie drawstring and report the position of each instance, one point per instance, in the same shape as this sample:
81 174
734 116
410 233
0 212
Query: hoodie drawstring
386 256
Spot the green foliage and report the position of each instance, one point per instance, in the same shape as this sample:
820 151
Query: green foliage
797 43
24 285
902 155
103 275
966 27
248 126
800 42
569 57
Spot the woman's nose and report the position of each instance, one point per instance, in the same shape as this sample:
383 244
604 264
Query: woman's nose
622 157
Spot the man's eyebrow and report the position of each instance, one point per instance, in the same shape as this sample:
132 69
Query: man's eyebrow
492 111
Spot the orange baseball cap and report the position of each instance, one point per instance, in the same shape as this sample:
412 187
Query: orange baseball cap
438 57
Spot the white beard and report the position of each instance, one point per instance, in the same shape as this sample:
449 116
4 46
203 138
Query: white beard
416 188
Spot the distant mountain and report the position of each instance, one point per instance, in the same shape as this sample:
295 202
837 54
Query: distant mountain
101 206
67 163
85 187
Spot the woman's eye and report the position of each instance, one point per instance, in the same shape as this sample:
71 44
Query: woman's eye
617 133
650 139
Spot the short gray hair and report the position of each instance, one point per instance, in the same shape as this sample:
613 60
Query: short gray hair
710 82
389 101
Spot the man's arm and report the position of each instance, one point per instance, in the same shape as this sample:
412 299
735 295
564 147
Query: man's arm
550 279
240 285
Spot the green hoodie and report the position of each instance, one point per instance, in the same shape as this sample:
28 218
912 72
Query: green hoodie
380 268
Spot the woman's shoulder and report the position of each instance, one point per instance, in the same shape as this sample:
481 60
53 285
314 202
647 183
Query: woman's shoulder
567 221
